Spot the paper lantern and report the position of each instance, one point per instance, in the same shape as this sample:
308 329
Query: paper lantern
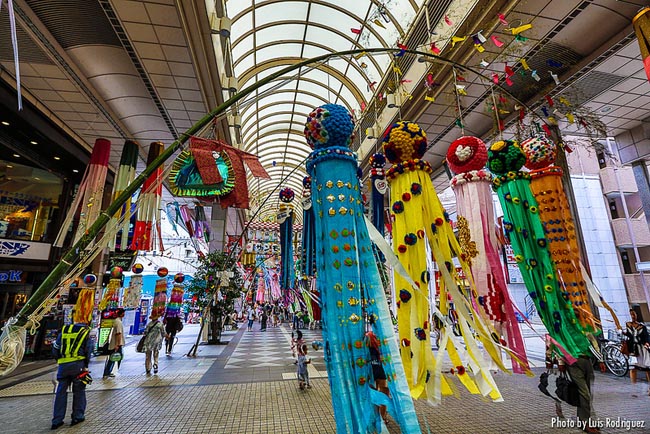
116 272
162 272
137 268
90 279
179 278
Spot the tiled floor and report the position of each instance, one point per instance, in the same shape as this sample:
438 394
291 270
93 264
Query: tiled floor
249 386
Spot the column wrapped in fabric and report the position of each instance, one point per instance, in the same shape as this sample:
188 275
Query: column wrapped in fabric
524 227
348 280
285 218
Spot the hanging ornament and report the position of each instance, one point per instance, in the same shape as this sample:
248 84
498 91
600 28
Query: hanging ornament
90 279
137 268
116 272
162 272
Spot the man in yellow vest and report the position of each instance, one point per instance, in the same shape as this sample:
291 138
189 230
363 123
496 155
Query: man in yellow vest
72 351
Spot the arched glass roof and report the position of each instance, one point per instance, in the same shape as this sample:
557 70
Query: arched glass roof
267 35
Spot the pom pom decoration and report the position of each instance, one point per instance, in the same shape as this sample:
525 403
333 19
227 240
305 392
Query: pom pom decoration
377 160
329 125
505 156
287 195
137 268
90 279
116 272
179 278
466 154
306 182
404 141
162 272
540 152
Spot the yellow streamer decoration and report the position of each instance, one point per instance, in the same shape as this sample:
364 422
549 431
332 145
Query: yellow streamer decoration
456 39
518 30
524 64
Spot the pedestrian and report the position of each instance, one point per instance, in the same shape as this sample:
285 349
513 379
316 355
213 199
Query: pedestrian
250 315
154 334
581 372
302 362
296 342
263 320
72 350
116 343
173 325
638 343
276 315
378 373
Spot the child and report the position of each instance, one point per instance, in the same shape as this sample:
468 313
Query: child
296 342
303 361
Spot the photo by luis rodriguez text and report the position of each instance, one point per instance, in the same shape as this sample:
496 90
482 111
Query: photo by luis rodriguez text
607 422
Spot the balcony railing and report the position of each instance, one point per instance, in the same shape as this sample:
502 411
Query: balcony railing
626 178
634 287
639 227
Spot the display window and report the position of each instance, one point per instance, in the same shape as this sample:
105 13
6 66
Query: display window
28 198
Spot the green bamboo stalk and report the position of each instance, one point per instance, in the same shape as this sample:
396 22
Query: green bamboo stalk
72 255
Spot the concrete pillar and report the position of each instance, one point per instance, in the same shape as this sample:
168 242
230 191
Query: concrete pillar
643 184
218 229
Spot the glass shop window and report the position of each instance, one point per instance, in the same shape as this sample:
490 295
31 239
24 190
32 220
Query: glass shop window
28 198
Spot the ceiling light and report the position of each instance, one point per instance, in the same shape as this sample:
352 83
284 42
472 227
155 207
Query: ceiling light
37 178
9 166
34 142
606 109
75 170
16 155
5 123
57 158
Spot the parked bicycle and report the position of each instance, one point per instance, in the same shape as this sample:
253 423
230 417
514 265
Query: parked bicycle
611 356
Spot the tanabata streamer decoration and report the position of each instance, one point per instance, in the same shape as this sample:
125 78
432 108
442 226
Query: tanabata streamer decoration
90 194
210 156
149 206
111 295
285 218
473 188
159 298
133 292
83 309
522 224
349 280
119 226
419 218
308 264
641 24
175 301
379 188
555 214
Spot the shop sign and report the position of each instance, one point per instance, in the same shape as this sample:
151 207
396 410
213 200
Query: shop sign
11 276
123 259
24 250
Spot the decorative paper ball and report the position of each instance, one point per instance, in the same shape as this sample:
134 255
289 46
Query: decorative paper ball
329 125
116 272
287 195
540 152
90 279
466 154
505 156
162 272
404 141
306 182
377 160
179 278
137 268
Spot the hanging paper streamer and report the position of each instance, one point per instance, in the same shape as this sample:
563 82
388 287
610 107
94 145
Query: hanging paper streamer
176 299
346 266
201 224
524 228
125 175
641 24
379 189
159 298
133 292
110 300
261 289
308 260
14 44
90 194
555 214
149 206
285 218
83 309
420 219
472 185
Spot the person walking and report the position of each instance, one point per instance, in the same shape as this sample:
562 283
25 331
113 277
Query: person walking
115 344
264 319
639 346
154 335
250 315
71 350
302 362
173 325
378 372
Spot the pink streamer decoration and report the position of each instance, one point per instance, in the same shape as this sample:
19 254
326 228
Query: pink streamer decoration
495 78
496 41
508 81
502 18
448 21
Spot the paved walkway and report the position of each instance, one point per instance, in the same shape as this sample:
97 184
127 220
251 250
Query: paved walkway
249 386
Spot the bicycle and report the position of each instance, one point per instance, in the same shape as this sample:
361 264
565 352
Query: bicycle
611 356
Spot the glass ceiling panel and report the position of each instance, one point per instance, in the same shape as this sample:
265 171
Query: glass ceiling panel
287 31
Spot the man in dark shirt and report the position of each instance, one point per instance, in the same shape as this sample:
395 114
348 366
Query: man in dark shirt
72 351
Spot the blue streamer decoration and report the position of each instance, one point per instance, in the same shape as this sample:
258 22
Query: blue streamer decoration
349 280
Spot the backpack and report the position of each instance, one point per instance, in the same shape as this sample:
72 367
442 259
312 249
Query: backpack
567 390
